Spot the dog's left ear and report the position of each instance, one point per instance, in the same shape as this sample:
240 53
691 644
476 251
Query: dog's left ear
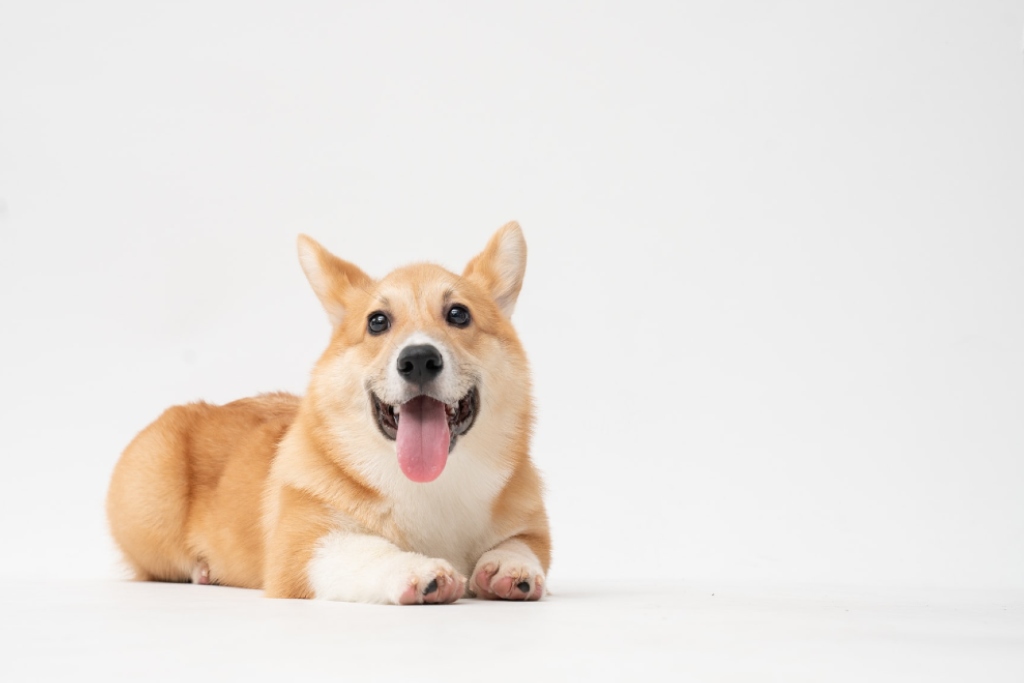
501 265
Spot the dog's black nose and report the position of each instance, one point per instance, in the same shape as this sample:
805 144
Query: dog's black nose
420 363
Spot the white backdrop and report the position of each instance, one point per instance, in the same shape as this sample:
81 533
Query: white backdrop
774 298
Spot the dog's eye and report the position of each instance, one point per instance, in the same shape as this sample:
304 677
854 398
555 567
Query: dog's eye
458 316
378 322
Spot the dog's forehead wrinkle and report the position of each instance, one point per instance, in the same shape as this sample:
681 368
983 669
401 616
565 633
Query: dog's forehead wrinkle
425 283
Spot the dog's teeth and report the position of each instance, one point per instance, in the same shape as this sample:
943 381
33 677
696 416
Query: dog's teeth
397 409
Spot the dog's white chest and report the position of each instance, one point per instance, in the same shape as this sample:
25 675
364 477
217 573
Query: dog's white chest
450 517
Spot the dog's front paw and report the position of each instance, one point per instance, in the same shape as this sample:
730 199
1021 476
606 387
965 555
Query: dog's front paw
505 575
431 581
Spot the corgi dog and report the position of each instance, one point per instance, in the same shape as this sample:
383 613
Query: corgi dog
403 476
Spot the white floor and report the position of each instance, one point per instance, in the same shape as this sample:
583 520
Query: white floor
612 631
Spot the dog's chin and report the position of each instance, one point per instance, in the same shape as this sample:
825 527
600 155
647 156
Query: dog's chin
461 415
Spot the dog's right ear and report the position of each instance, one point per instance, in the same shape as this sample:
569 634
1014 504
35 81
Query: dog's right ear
330 277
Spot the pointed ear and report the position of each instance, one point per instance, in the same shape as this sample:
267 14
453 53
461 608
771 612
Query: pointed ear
330 277
501 265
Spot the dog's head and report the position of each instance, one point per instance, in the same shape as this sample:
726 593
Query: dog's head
422 359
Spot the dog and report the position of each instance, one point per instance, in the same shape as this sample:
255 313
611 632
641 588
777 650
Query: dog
403 470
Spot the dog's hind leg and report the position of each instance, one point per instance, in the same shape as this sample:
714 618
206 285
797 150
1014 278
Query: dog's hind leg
201 573
148 501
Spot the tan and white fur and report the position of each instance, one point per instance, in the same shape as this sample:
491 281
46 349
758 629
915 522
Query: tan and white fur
305 497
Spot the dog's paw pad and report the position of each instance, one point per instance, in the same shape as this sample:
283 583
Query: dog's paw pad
434 583
508 580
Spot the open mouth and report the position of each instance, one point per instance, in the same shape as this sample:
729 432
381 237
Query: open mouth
460 414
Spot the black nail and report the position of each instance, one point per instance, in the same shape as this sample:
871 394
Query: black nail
523 586
431 587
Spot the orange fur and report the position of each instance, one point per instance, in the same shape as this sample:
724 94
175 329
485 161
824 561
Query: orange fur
252 487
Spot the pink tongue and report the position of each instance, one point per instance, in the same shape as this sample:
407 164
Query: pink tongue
423 438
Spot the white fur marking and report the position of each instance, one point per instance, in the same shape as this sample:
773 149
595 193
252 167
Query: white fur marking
359 568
